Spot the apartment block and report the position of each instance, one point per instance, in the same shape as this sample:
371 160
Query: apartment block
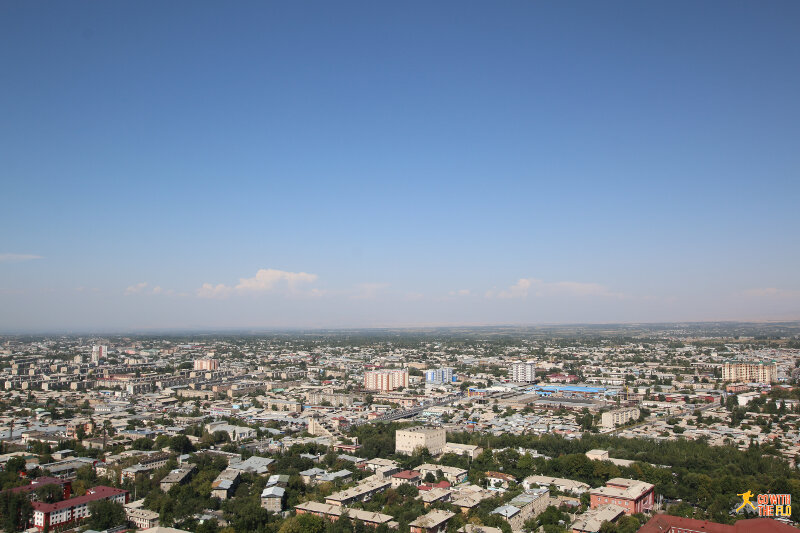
750 371
206 364
385 380
522 372
439 375
632 495
618 417
50 515
408 440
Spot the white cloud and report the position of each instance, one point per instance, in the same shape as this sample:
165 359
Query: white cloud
265 280
157 290
525 286
135 289
518 290
214 291
16 258
269 278
460 292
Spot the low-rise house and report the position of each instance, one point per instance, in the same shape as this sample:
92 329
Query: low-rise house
499 479
279 480
433 495
333 512
351 459
68 469
592 520
342 476
469 498
77 428
632 495
523 507
236 433
224 486
468 450
378 463
272 498
452 474
561 484
433 522
139 516
361 492
409 477
254 465
310 476
146 465
179 476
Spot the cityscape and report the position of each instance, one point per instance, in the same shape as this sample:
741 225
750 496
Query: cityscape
410 267
494 429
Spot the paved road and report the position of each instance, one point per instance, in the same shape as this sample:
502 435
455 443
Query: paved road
397 414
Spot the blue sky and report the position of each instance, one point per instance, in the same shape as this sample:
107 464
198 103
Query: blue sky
253 164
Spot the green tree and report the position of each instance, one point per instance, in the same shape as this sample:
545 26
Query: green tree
628 524
304 523
15 510
49 493
208 526
608 527
105 514
142 444
181 444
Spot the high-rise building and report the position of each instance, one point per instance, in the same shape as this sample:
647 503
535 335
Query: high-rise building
206 364
439 375
750 371
99 352
385 380
522 372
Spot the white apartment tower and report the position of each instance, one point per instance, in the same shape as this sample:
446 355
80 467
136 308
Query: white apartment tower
439 375
522 372
99 352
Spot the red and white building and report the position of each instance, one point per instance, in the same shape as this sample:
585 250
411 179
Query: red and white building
49 515
632 495
410 477
385 380
206 364
65 484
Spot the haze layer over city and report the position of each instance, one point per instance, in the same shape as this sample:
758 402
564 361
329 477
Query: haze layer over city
366 267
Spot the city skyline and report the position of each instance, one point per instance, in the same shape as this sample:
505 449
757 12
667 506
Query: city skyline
277 166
